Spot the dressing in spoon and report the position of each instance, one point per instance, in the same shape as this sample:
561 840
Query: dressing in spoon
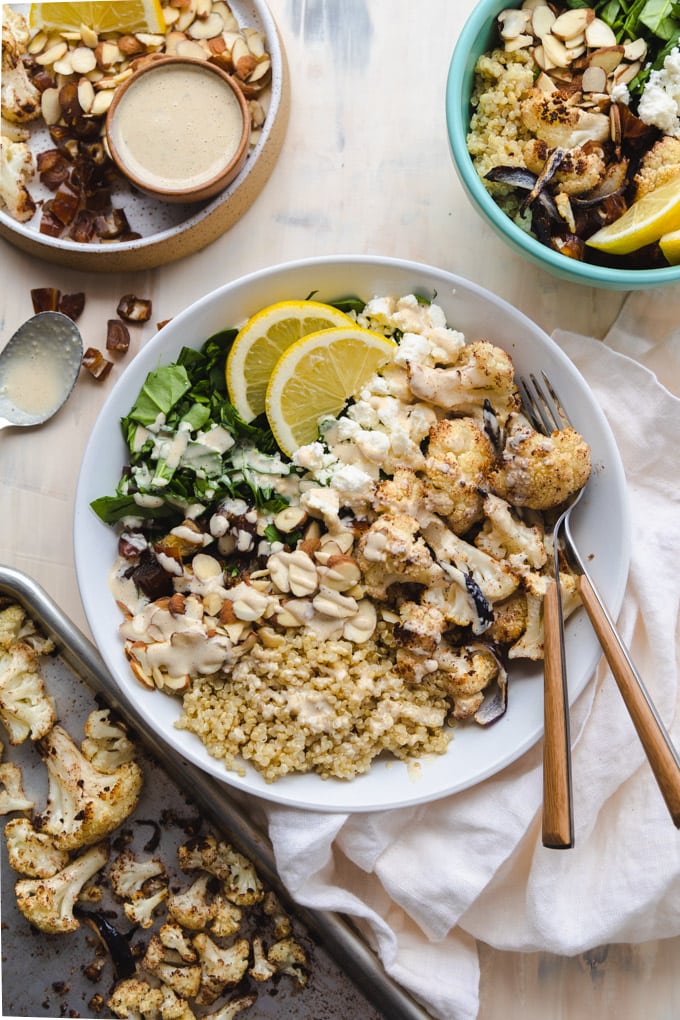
38 369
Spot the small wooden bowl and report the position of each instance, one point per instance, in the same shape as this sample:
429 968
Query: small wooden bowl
179 129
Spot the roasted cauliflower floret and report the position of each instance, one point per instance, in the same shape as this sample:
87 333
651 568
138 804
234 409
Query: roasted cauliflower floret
408 493
192 907
658 166
580 169
459 455
220 967
420 627
127 874
289 957
505 537
557 120
106 743
391 552
482 374
538 471
17 169
83 805
32 853
466 672
494 578
240 882
20 99
26 710
183 978
12 796
134 999
509 619
48 902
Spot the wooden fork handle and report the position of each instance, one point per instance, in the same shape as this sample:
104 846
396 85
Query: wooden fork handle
657 744
558 824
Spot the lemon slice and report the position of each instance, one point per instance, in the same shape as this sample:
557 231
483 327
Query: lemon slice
655 214
670 247
121 16
262 341
315 377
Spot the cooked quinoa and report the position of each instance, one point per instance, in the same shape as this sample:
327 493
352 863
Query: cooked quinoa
308 705
496 136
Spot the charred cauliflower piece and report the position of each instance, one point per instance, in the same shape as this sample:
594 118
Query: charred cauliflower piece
505 537
483 374
466 672
17 169
538 471
26 710
20 99
48 902
133 998
458 458
83 805
391 552
580 169
32 853
557 120
658 166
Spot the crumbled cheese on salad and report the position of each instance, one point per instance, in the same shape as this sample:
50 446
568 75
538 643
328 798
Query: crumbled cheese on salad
660 101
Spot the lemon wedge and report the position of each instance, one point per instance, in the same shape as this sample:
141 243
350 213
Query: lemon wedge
262 341
316 376
101 16
655 214
670 247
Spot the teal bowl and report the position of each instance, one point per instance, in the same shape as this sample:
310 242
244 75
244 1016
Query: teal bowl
477 37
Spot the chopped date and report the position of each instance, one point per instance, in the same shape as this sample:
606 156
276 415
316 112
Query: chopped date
117 336
45 299
96 364
134 309
72 305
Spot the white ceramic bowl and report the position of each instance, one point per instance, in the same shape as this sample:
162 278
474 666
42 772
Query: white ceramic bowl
602 523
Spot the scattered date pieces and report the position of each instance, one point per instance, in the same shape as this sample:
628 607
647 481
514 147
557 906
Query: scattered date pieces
49 299
117 336
96 364
134 309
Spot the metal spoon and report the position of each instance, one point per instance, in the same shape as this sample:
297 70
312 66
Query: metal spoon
38 369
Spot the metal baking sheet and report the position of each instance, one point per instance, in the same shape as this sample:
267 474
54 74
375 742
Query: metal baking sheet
57 976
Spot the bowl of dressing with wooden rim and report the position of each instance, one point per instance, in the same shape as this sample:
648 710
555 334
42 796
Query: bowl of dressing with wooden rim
179 129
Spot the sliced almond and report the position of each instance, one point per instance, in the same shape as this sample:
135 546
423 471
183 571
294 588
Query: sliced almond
594 79
225 12
609 58
635 49
170 16
625 73
520 42
102 102
555 50
49 56
37 44
107 54
575 42
542 20
599 34
150 40
83 59
262 69
64 66
171 41
541 59
186 18
86 94
255 42
572 22
545 83
206 28
191 48
50 107
203 8
531 5
88 36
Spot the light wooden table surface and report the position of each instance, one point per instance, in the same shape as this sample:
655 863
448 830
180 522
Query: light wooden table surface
365 169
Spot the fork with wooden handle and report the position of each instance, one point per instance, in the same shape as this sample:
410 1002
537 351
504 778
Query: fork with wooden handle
548 414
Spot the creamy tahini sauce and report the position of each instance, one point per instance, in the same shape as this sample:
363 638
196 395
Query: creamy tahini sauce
35 378
177 127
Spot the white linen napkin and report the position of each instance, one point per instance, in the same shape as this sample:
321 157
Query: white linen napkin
423 883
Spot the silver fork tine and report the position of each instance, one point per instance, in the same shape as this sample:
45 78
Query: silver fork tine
558 810
661 753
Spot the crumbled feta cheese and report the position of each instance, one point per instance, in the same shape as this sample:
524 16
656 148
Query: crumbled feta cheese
413 347
660 100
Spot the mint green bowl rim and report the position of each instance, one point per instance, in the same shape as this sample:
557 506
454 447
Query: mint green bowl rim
476 38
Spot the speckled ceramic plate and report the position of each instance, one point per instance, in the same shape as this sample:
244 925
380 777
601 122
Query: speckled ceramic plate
602 526
170 231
